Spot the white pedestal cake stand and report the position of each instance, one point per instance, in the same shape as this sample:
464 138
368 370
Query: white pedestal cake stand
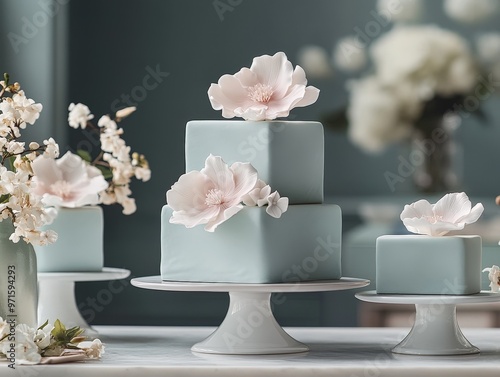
56 295
435 331
249 327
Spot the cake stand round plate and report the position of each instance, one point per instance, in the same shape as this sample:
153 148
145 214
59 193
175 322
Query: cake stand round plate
249 327
56 295
435 331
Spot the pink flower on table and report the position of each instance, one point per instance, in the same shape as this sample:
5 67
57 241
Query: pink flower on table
451 212
212 195
267 90
68 181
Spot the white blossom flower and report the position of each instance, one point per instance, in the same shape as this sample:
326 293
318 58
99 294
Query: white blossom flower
267 90
452 212
106 122
51 148
276 205
350 54
42 337
142 174
401 10
26 108
93 349
68 181
315 61
123 113
79 115
27 352
494 276
4 327
470 11
14 147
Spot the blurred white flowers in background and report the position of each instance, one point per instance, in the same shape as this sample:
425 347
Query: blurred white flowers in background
386 106
315 61
350 54
470 11
401 10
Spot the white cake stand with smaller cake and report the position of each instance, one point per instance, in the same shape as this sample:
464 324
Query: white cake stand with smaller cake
436 331
56 295
249 327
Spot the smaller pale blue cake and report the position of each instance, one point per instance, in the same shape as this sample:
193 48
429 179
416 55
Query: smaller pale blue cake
79 246
289 156
253 247
418 264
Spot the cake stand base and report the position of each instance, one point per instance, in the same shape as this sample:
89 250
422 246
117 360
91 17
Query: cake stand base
436 331
249 327
56 295
434 334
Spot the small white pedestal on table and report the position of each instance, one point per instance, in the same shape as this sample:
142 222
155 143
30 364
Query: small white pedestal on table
436 330
56 295
249 327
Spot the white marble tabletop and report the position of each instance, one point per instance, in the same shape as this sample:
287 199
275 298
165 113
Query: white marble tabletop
352 352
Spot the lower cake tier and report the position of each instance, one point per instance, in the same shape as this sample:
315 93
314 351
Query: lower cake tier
253 247
417 264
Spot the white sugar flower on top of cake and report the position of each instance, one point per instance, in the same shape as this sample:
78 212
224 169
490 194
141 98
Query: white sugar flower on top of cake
451 213
267 90
218 192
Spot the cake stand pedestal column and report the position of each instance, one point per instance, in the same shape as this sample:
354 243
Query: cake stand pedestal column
56 295
249 327
435 330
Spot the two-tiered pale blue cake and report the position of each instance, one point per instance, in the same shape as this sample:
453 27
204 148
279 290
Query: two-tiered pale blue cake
251 247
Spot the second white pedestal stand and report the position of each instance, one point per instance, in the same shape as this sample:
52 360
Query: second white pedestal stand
56 295
436 330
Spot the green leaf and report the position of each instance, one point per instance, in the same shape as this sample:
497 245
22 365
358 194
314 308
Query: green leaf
84 155
59 330
6 78
106 172
44 324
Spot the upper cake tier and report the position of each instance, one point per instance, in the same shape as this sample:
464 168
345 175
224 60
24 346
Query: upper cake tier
288 155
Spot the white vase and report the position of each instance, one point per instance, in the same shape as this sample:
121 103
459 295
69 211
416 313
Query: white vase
18 279
79 246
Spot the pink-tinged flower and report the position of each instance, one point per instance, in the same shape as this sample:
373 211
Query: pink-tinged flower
276 205
258 195
494 276
212 195
68 181
452 212
267 90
